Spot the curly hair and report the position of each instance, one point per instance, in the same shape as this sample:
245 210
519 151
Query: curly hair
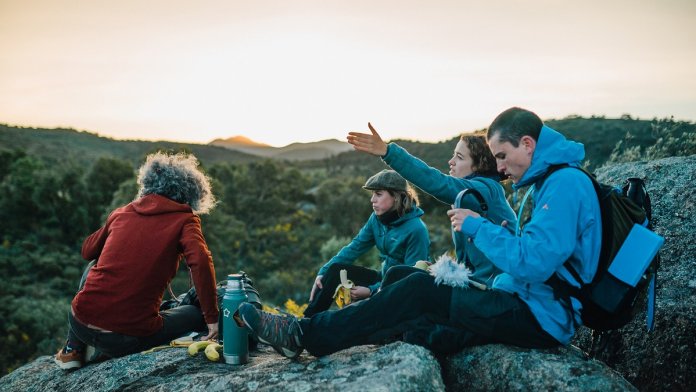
483 161
404 201
178 178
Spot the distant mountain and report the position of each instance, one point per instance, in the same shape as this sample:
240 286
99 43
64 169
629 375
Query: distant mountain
241 141
292 152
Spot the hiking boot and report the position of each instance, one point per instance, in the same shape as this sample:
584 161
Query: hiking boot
280 332
68 358
94 355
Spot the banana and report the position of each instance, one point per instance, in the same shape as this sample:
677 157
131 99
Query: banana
211 352
342 293
197 346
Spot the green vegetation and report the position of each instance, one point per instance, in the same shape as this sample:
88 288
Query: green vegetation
277 221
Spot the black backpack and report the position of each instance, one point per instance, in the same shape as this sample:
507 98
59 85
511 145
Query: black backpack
608 303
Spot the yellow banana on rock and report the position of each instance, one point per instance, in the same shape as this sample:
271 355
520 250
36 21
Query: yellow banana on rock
211 352
195 347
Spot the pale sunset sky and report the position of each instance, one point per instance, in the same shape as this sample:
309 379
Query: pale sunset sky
286 71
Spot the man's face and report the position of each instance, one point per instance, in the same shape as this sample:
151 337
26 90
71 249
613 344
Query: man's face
511 160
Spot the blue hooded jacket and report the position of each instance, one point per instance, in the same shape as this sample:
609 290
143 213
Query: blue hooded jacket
402 242
565 225
446 188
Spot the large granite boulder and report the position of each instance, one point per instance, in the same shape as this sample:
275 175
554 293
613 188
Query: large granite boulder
396 367
663 359
497 367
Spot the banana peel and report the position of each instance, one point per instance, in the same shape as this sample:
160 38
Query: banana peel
342 293
212 351
211 348
424 265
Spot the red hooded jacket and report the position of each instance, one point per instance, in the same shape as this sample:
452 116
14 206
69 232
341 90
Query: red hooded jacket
138 252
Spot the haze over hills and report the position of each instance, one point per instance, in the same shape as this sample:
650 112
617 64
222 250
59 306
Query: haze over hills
293 152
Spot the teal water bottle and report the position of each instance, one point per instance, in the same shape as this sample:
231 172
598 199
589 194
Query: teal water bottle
235 339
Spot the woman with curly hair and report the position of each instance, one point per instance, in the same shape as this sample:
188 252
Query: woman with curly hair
136 255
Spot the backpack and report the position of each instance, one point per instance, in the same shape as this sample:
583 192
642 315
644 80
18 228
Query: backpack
191 298
609 303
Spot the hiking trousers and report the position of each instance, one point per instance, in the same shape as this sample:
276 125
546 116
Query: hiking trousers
415 305
323 298
176 322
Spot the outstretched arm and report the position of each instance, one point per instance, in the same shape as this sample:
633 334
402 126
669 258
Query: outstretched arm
370 143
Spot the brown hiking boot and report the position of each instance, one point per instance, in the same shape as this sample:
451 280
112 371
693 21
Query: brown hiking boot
67 358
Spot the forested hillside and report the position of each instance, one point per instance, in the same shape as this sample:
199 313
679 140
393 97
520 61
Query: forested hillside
276 220
54 145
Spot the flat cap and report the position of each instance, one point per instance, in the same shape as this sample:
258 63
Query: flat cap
386 179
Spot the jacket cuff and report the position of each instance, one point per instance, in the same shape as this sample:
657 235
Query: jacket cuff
471 225
389 148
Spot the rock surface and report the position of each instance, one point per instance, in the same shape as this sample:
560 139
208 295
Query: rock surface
396 367
663 359
497 367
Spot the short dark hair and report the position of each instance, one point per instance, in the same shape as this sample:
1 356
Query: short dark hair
482 159
514 123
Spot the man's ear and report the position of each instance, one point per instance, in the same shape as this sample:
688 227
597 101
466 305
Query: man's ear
529 144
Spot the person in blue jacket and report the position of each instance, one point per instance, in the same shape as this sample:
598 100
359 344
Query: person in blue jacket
394 227
521 308
472 166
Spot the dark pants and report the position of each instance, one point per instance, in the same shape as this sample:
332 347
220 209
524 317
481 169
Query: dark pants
418 306
176 322
323 298
399 272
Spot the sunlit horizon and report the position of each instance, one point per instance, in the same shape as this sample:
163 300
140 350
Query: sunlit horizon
283 72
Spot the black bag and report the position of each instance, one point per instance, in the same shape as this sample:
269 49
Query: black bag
608 303
191 298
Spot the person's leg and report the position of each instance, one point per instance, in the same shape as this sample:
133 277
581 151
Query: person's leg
481 317
73 342
393 310
72 354
399 272
176 323
323 298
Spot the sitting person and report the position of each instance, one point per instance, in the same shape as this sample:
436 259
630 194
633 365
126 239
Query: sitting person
472 166
137 254
521 308
394 227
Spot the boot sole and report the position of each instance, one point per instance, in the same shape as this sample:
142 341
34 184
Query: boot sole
67 365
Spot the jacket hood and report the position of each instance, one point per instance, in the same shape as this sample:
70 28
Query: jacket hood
413 214
552 149
154 204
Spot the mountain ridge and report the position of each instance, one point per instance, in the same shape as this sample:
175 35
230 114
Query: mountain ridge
294 151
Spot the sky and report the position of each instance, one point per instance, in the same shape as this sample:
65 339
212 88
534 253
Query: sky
299 71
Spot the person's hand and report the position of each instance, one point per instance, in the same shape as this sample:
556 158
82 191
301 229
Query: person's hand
458 216
212 332
369 143
359 292
317 285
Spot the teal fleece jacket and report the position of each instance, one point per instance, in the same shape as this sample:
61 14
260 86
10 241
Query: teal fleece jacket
565 225
446 188
402 242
